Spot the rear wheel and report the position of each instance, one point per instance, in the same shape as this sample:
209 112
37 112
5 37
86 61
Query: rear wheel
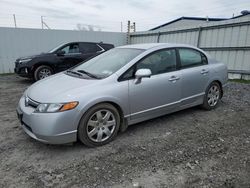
99 125
42 72
212 96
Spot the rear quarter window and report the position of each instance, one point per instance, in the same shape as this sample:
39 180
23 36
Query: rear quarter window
106 46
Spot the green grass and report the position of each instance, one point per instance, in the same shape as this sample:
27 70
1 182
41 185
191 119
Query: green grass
240 81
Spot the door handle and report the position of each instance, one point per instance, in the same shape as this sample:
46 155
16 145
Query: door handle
173 78
204 71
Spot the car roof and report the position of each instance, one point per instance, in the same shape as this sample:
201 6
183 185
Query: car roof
87 42
146 46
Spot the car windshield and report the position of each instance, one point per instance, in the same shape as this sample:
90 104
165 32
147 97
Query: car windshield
109 62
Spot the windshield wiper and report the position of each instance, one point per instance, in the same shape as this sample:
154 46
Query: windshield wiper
89 74
73 72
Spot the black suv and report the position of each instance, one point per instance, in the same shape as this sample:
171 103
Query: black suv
59 59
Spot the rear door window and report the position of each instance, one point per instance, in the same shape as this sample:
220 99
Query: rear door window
191 58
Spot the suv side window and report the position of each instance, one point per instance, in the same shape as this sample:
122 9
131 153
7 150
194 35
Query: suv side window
71 48
191 58
90 48
159 62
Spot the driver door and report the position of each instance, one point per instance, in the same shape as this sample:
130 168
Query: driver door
71 57
159 94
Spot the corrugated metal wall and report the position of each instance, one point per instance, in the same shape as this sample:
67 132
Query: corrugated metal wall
227 41
17 42
184 23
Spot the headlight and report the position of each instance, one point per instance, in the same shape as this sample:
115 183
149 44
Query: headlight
55 107
21 61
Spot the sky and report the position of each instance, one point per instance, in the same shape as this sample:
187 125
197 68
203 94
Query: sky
109 15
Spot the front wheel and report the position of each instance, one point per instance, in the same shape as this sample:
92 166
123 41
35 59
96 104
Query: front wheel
99 125
212 96
42 72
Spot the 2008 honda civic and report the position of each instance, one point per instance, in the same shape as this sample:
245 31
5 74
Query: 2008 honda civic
126 85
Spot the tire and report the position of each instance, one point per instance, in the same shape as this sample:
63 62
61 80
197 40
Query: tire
42 72
99 125
212 96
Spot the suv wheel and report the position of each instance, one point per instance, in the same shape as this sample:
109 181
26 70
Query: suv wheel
99 125
42 72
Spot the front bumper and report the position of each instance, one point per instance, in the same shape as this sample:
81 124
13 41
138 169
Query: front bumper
22 70
52 128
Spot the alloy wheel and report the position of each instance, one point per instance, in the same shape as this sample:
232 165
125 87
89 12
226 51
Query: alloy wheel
101 125
213 95
44 73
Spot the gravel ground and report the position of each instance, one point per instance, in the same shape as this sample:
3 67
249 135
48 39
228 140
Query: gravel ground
190 148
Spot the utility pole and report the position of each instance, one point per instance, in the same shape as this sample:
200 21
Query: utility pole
14 16
46 25
42 21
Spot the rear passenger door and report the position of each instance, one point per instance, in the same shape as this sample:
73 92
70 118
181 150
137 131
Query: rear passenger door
89 50
195 75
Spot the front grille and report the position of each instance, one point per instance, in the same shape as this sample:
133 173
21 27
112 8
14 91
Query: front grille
30 102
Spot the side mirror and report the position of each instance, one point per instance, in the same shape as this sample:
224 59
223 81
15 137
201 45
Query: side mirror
142 73
60 53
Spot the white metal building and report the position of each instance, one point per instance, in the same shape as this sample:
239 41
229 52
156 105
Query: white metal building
186 21
226 40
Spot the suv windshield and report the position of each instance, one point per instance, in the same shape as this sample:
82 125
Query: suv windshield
56 48
109 62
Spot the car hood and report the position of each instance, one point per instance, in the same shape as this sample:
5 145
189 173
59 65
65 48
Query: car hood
59 88
35 56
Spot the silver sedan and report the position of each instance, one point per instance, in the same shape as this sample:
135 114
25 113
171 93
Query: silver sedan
126 85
